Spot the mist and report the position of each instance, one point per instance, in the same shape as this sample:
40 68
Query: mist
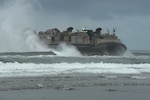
18 22
15 18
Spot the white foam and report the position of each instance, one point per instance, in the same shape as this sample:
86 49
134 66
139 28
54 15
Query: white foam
128 53
138 77
66 50
31 69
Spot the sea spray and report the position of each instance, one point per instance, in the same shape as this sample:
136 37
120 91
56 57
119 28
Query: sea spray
16 15
128 53
64 49
32 41
17 30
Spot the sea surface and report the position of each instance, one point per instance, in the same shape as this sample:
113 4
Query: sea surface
135 64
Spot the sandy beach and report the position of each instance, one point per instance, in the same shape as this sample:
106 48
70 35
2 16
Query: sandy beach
74 87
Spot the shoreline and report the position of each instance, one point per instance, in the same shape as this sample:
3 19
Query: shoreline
84 93
74 87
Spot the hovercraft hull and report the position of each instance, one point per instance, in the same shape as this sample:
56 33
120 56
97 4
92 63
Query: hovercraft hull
110 48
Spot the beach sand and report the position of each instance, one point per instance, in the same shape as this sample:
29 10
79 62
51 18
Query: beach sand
74 88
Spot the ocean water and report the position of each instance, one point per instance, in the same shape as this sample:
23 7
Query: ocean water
18 64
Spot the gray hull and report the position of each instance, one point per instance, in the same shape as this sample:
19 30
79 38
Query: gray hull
111 48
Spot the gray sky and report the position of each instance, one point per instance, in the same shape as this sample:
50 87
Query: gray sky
130 17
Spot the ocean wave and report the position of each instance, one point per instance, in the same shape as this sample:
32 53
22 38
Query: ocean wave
84 56
49 59
31 69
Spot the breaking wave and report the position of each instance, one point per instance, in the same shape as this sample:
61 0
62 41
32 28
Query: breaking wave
31 69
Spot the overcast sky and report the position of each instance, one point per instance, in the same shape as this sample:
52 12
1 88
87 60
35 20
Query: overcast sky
131 18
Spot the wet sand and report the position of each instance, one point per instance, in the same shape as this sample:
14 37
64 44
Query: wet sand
92 87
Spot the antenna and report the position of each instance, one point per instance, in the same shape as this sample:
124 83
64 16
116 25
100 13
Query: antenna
114 30
107 30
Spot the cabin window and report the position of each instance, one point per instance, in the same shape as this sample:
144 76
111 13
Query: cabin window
53 39
70 38
62 38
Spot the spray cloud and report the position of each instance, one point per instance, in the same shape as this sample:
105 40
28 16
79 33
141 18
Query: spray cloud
15 17
17 32
64 49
